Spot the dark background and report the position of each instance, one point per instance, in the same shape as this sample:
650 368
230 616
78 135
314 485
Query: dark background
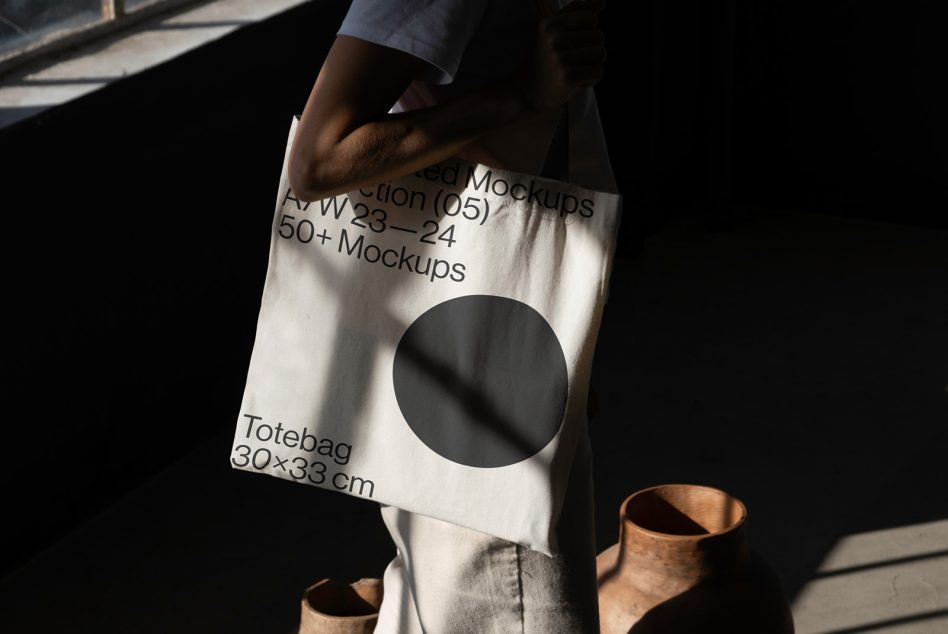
131 299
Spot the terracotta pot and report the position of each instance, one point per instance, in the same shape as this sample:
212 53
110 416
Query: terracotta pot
333 607
682 565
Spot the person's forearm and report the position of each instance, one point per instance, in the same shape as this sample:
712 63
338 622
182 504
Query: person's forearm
346 139
397 144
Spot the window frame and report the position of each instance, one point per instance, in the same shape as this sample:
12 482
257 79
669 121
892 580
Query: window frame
114 19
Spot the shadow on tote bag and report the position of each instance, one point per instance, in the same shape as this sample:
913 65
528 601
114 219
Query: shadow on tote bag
427 343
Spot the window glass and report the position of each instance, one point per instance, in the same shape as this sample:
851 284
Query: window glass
131 5
25 21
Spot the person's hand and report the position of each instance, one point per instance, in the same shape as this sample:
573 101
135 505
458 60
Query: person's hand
567 54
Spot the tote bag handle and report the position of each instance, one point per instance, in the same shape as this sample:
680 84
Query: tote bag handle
557 162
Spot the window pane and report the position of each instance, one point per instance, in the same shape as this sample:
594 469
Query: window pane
25 21
131 5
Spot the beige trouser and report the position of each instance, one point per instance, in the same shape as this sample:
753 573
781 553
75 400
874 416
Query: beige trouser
446 579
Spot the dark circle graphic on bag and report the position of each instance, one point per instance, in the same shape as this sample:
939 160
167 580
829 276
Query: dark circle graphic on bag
481 380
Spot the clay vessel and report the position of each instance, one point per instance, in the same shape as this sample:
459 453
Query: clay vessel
682 565
333 607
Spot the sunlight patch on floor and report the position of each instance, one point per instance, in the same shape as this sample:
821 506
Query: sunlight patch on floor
892 580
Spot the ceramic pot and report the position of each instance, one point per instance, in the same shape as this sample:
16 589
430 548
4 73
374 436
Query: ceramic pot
333 607
682 565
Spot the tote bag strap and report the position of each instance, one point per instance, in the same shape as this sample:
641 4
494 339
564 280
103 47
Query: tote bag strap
557 162
577 152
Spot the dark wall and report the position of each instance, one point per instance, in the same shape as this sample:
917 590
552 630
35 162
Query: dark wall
842 108
136 231
835 107
667 107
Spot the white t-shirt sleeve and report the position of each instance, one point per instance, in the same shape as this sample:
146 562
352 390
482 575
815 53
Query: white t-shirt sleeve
436 31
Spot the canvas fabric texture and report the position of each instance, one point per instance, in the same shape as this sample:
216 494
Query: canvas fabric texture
427 344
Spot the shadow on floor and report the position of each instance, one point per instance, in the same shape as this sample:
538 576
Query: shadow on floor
798 362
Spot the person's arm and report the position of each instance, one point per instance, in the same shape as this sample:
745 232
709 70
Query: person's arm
346 138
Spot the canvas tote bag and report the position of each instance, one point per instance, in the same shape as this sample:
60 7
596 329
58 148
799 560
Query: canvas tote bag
427 343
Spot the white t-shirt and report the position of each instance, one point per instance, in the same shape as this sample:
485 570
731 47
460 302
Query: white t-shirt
469 43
